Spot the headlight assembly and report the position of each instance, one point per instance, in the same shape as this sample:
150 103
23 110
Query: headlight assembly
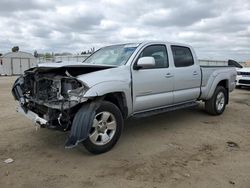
72 87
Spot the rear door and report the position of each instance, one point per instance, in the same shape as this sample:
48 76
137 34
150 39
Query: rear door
187 77
153 87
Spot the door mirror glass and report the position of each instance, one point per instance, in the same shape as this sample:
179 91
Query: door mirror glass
145 62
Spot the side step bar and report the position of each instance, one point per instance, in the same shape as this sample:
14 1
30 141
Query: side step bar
166 109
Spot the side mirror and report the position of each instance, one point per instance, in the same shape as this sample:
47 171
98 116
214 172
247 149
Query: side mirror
145 62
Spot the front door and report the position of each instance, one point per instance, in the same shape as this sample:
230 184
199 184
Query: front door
153 87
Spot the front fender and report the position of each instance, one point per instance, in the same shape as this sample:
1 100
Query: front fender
107 87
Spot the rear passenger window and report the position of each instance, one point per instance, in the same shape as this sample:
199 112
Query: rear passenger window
159 53
182 56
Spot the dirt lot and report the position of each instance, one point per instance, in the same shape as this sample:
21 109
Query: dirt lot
186 148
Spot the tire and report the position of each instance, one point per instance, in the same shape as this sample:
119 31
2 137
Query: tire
216 106
106 129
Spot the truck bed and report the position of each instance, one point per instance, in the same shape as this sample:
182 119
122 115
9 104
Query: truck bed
210 77
207 71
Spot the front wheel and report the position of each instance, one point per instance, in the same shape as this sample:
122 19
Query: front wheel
106 129
216 105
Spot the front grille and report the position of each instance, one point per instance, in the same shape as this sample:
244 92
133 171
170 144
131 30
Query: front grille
243 73
244 81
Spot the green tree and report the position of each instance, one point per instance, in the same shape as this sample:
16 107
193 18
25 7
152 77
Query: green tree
15 49
35 54
47 55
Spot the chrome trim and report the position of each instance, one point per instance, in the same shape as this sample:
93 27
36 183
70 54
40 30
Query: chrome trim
32 116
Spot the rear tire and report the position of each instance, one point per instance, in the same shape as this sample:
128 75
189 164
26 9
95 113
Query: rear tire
106 129
216 105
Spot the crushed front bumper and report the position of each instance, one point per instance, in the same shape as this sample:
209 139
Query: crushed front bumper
55 113
32 116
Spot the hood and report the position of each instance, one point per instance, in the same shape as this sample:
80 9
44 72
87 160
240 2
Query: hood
246 69
68 68
59 64
90 74
71 64
120 74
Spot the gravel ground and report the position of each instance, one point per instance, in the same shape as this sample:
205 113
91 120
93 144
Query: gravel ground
186 148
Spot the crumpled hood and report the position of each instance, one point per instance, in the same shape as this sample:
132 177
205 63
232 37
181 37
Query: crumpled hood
73 69
90 74
59 64
70 64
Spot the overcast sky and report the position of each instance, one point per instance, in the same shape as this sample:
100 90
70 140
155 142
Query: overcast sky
218 29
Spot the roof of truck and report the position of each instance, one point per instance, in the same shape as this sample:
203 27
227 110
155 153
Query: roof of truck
165 42
136 44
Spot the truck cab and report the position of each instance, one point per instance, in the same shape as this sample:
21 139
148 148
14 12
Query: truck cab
174 78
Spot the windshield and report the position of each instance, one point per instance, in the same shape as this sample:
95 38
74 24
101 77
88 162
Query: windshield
112 55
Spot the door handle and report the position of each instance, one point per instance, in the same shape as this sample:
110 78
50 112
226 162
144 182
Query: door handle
195 73
168 75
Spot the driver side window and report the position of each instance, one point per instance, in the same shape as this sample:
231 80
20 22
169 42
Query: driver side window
159 53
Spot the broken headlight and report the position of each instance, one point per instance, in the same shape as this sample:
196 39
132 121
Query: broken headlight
72 87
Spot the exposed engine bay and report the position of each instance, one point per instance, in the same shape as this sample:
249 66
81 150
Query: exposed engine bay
52 94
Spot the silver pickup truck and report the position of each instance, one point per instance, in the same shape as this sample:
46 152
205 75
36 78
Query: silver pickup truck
92 99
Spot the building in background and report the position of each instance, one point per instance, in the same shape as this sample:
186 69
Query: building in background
15 63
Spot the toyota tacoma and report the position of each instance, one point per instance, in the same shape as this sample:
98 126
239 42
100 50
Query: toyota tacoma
92 99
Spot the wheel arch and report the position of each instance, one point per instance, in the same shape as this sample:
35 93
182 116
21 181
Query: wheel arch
218 81
119 99
117 92
225 83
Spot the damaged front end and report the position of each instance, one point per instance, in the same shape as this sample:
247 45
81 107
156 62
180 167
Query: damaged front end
49 98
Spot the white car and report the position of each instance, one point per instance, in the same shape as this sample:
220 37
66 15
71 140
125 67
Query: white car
243 77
